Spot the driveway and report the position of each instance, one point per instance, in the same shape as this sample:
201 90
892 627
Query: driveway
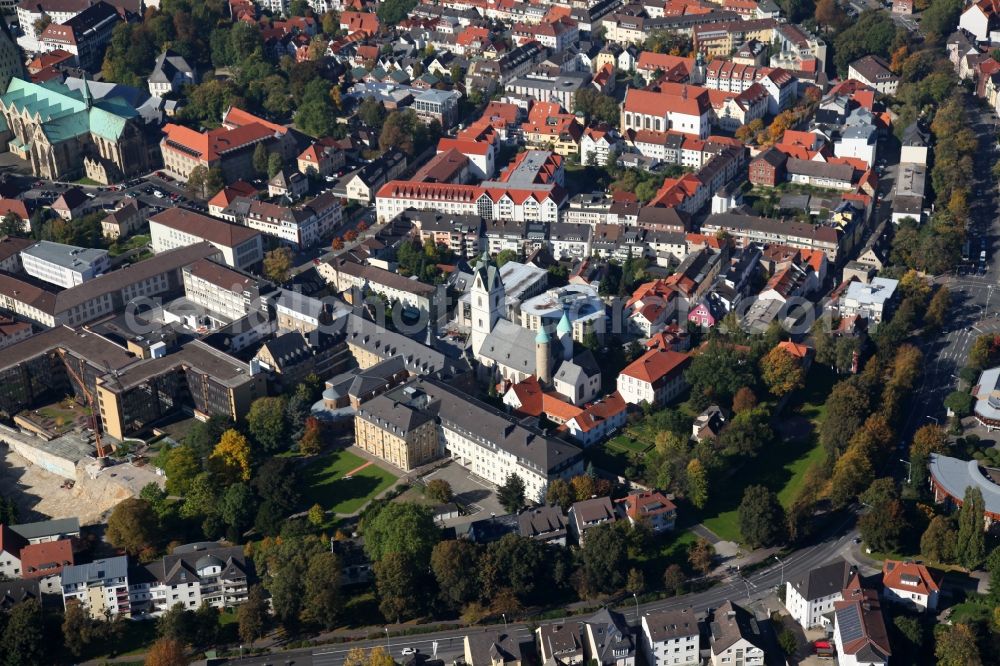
477 495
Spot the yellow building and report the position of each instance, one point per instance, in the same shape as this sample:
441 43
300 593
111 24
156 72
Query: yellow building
393 428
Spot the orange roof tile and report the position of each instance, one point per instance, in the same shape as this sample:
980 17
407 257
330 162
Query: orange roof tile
656 364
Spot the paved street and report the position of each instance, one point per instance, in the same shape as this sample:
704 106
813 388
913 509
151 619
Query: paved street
975 297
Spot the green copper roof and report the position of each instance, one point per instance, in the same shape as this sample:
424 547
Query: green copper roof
564 325
542 337
65 113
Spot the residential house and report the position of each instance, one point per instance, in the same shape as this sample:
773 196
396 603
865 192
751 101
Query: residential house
44 562
651 507
671 638
589 513
981 19
545 523
859 630
910 584
736 637
123 222
11 544
365 182
873 301
560 643
170 72
874 72
598 420
608 639
810 599
656 378
492 648
192 575
322 157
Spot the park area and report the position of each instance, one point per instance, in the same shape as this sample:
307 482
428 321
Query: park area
782 466
342 482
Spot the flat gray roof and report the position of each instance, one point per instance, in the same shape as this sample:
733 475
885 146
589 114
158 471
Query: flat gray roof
67 256
955 476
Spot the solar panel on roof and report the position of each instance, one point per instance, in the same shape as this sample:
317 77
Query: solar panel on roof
849 623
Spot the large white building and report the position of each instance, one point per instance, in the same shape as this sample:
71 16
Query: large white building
655 378
300 227
241 247
811 598
677 107
193 574
536 203
64 265
671 638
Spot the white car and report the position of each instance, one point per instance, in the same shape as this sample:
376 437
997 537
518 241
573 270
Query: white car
409 651
158 194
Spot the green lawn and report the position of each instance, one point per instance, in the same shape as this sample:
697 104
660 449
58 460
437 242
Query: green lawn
781 467
326 486
625 444
121 247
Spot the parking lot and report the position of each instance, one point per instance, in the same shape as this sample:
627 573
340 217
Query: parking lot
476 494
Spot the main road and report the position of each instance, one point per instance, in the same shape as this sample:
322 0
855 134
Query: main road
973 286
449 646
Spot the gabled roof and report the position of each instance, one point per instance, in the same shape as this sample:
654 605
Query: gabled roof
48 558
11 542
824 581
731 624
208 228
909 577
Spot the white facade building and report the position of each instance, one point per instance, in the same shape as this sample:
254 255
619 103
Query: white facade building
64 265
671 638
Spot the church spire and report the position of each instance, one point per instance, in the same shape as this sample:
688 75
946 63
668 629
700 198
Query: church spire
86 91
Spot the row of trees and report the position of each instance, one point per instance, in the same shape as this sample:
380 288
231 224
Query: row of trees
417 573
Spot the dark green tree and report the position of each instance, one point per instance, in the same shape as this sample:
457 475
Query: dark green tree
605 556
402 527
970 547
511 493
761 517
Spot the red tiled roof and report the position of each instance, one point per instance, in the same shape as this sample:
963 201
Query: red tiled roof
908 577
796 350
39 560
237 117
208 146
602 410
689 100
656 364
648 503
653 61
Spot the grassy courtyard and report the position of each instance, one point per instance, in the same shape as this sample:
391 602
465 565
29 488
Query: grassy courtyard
326 485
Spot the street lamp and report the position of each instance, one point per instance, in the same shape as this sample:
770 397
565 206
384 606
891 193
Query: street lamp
504 616
936 422
782 583
634 596
388 648
909 469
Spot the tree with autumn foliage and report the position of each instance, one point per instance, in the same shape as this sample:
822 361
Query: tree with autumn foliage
782 372
166 652
337 244
231 457
312 439
985 351
744 400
